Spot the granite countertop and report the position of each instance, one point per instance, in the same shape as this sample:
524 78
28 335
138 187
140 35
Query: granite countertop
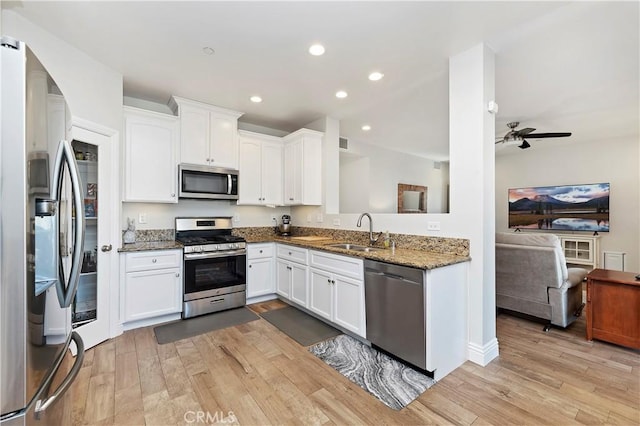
422 259
150 245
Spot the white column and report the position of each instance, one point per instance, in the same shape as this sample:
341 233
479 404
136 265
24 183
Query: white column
471 135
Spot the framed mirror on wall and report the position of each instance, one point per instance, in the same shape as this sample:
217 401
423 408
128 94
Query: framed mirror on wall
412 198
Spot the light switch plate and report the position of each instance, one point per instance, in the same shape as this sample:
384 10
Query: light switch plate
336 222
142 218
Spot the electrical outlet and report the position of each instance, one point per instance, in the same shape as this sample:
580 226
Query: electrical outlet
336 222
142 218
273 217
433 226
319 218
236 218
308 218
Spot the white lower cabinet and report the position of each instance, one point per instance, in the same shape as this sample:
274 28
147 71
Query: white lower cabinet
260 270
152 285
336 290
291 273
292 281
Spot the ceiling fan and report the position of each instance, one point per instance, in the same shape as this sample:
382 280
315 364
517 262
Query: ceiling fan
516 137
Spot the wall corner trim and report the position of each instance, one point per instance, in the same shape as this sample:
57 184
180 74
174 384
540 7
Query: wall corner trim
482 355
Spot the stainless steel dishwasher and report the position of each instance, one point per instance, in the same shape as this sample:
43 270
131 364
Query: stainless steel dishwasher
395 310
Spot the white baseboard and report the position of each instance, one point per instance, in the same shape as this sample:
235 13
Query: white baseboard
150 321
258 299
482 355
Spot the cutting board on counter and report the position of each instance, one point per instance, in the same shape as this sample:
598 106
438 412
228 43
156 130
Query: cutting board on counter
311 238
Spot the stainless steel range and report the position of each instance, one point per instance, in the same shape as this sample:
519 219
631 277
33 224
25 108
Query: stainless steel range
214 265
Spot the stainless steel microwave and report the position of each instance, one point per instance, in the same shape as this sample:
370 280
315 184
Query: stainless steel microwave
206 182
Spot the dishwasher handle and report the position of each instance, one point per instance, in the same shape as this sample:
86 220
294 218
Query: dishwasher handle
391 276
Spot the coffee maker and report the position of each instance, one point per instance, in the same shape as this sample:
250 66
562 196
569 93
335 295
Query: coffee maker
285 227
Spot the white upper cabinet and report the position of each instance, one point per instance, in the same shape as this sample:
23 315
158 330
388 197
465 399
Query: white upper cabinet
260 169
151 142
303 168
208 134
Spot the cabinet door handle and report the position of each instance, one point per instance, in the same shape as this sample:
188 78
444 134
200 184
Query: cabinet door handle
154 260
250 266
289 267
329 280
260 251
177 274
106 247
173 194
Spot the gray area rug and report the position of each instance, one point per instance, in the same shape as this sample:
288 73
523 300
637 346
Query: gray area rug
392 382
194 326
301 327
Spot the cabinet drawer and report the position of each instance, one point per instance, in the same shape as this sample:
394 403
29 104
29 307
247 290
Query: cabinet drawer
343 265
143 261
295 254
257 251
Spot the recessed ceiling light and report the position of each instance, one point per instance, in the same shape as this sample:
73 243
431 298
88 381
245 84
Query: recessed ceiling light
208 51
256 99
341 94
375 76
366 127
316 49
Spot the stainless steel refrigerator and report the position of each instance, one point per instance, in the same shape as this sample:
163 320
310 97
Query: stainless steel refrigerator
36 366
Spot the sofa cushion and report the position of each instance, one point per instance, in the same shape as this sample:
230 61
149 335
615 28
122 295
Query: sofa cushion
536 240
526 239
576 275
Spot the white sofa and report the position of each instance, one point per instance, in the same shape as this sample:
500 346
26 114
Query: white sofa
532 278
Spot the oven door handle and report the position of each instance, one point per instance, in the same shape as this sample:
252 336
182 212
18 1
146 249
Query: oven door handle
211 255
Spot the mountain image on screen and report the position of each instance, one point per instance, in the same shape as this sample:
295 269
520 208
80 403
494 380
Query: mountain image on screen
563 208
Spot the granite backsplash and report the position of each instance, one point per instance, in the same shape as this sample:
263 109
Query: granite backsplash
149 235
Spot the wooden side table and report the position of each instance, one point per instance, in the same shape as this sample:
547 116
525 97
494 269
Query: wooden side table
613 307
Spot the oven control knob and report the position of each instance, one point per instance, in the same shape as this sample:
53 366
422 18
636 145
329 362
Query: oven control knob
197 249
234 246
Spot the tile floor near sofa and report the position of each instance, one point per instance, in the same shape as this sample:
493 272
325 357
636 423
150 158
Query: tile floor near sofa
261 376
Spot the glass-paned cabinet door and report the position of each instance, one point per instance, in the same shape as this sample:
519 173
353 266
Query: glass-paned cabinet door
85 304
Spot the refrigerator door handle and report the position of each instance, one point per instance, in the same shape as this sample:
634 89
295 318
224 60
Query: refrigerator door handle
42 405
67 290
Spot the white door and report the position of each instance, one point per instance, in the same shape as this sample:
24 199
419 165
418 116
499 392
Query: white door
194 135
224 140
250 191
349 304
320 293
272 173
151 143
299 284
283 278
260 277
152 293
90 315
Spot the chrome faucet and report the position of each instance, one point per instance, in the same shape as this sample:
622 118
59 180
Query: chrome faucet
372 240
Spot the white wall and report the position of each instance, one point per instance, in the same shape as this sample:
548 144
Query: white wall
472 164
556 162
388 168
354 183
92 90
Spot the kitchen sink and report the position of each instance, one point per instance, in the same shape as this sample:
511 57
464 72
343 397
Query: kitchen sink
355 247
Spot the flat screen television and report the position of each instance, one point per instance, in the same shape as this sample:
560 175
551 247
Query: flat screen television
560 208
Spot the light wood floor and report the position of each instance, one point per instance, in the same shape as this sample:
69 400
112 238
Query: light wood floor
264 377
